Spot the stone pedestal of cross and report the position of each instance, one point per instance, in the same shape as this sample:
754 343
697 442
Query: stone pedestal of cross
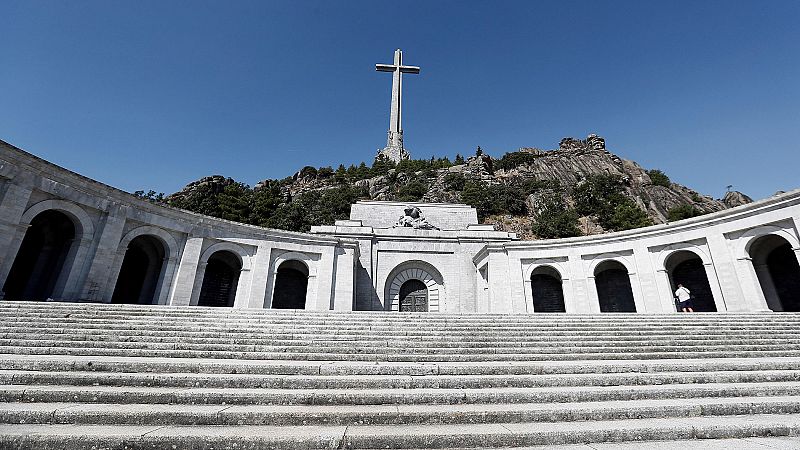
394 144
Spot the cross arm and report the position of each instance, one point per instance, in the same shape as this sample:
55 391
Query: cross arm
385 67
409 69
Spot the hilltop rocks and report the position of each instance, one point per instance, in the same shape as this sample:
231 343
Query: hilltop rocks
733 199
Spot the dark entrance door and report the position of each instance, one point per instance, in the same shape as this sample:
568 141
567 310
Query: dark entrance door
413 296
614 288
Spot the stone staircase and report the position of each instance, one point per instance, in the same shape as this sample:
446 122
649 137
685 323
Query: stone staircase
87 376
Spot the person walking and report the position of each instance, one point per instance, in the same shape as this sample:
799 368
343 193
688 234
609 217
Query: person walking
684 297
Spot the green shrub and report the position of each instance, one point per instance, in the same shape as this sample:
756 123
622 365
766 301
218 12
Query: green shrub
683 212
454 181
513 160
413 191
554 219
659 178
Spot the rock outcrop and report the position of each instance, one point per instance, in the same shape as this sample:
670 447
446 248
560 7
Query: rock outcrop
562 170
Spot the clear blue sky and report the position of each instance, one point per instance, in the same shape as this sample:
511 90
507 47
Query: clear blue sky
155 94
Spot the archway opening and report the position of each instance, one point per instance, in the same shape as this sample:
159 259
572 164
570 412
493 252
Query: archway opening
413 296
614 287
141 271
291 286
41 260
778 272
686 268
548 293
220 280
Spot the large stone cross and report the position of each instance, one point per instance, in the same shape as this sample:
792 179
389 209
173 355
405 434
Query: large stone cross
394 144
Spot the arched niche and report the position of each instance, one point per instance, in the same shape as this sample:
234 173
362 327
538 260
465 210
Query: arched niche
291 285
776 266
42 261
168 266
220 279
142 271
414 270
613 284
304 263
687 268
547 291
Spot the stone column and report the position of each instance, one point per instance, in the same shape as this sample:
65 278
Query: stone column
104 267
665 294
716 290
344 298
499 289
259 274
242 298
731 275
751 287
185 279
12 205
648 286
326 270
78 260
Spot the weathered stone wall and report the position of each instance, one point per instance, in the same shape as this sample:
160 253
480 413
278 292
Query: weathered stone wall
108 219
360 263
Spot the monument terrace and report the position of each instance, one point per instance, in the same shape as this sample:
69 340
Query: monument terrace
129 324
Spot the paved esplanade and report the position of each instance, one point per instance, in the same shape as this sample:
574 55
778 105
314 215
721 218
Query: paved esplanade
394 144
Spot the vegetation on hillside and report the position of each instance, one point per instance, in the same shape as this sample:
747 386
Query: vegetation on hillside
320 196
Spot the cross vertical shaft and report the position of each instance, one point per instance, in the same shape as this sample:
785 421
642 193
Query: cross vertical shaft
394 142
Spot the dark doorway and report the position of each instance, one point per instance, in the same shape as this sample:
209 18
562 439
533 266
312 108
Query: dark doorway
686 268
413 296
141 271
291 286
614 287
548 294
220 280
778 272
42 257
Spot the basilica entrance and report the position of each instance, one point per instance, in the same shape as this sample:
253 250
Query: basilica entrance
413 296
140 272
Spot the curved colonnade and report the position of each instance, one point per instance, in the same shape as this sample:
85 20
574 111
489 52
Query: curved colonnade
68 238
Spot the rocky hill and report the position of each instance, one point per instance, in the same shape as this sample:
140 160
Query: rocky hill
578 188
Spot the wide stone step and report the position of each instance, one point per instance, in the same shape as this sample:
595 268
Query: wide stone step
267 367
695 352
350 347
99 332
150 414
428 342
260 396
84 437
205 380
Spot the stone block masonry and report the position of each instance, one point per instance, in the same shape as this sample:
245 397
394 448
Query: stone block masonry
68 238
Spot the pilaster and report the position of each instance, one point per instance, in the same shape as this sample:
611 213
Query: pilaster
187 272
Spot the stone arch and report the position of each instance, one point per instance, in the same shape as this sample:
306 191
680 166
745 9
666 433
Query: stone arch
142 271
688 267
308 262
414 270
220 279
222 269
84 224
42 262
775 263
75 268
164 236
291 285
613 284
168 267
547 291
746 240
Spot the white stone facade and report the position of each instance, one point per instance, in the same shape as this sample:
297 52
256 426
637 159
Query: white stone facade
100 244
